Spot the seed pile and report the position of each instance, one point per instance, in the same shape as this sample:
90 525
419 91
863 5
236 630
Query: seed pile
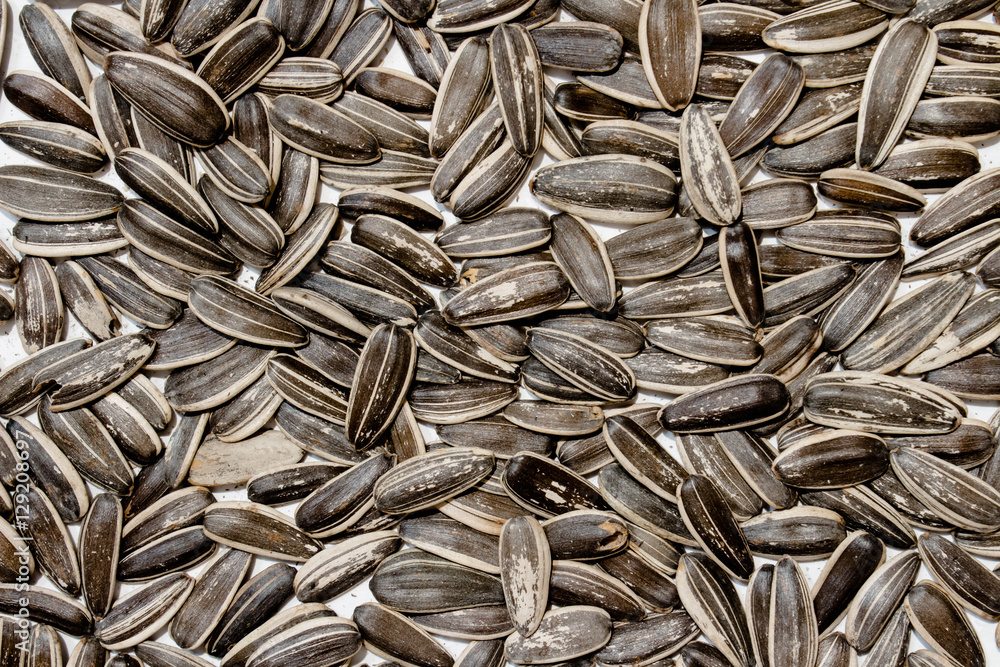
555 529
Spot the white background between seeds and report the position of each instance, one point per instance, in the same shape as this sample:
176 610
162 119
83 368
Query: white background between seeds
17 57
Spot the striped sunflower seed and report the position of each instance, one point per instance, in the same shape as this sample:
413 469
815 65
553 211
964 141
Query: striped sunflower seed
564 634
897 76
710 598
670 41
940 622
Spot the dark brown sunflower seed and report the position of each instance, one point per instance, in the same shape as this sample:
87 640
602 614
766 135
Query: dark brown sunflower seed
181 104
236 170
883 347
304 243
899 71
641 506
585 187
707 516
832 460
242 57
942 624
322 132
255 602
54 48
153 604
709 177
777 203
965 117
968 580
53 195
830 149
462 94
710 598
164 187
122 287
45 99
804 533
365 266
309 643
734 27
56 144
670 42
845 232
734 403
763 102
392 129
215 381
564 633
854 561
403 92
273 534
958 252
817 111
821 28
954 494
585 365
222 304
416 582
460 402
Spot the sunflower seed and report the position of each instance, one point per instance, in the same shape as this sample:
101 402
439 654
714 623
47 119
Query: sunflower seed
155 654
829 149
710 598
763 102
53 48
311 643
56 144
641 506
53 195
416 582
907 48
832 460
256 602
747 400
322 132
460 402
45 99
153 605
947 294
734 27
941 623
213 382
954 494
671 50
817 111
606 188
362 42
564 633
820 28
962 575
855 560
462 94
804 533
879 598
275 537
